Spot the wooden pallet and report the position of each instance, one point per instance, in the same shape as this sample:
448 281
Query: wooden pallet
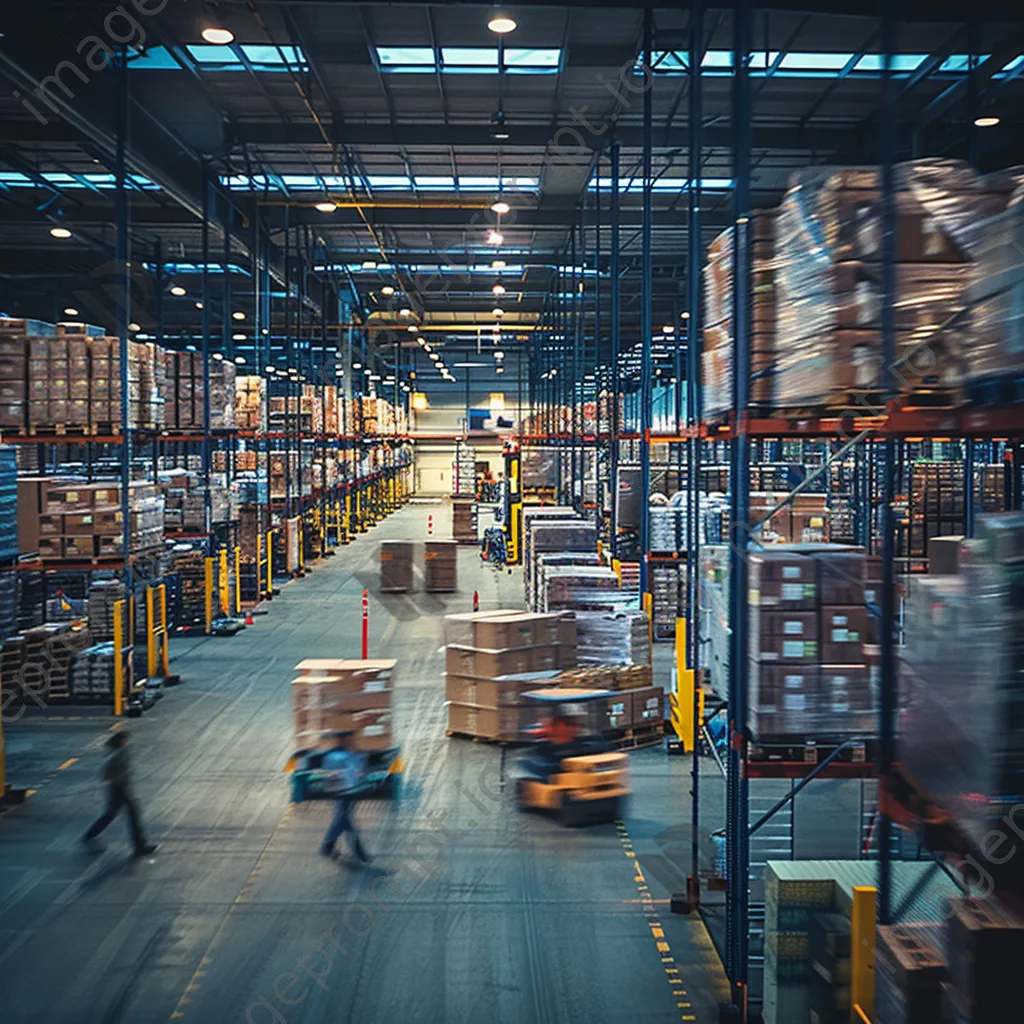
489 740
636 737
793 750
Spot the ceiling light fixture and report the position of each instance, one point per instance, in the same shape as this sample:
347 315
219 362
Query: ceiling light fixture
498 289
218 36
327 206
412 328
497 311
421 341
495 237
240 360
668 329
199 305
238 315
238 337
988 121
499 369
369 264
387 290
357 366
404 312
434 356
70 311
60 232
501 23
500 207
270 370
178 290
498 264
219 356
133 326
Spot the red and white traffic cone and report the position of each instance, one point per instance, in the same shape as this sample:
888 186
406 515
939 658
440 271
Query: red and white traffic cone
430 526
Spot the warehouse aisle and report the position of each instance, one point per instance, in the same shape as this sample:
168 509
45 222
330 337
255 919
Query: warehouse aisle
472 911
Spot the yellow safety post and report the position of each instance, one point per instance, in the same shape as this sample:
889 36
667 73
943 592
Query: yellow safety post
681 701
208 592
119 660
862 954
648 606
270 562
151 635
347 523
617 569
302 543
238 580
223 582
165 659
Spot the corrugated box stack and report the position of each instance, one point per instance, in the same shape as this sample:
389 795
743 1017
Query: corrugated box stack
92 673
613 638
542 536
829 248
960 667
808 624
68 519
464 520
492 658
803 519
335 695
911 969
554 560
396 558
251 403
183 374
440 566
670 597
223 394
717 355
581 588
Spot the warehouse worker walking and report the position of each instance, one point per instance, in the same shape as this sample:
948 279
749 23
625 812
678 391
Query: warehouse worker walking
118 776
344 774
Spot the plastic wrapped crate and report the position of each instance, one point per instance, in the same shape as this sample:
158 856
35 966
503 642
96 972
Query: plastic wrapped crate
613 638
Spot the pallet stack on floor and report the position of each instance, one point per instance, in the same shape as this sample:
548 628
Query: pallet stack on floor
464 520
440 566
396 558
492 658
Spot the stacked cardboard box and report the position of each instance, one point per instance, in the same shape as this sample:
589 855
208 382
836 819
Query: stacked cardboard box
829 247
223 394
613 638
62 518
251 403
908 983
670 597
510 653
396 560
330 400
92 673
802 520
183 375
808 625
717 356
333 695
550 530
554 560
440 566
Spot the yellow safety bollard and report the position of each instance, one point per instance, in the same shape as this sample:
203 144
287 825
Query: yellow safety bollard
166 656
648 606
151 633
122 669
223 582
270 563
238 580
681 702
208 584
862 953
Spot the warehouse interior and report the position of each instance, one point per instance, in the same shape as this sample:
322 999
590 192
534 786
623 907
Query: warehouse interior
578 447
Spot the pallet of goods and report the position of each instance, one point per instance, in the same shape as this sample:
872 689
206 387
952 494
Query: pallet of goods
440 566
336 695
396 560
464 520
808 673
491 659
829 280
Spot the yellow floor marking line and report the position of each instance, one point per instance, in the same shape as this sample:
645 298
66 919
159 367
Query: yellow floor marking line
67 764
247 886
657 932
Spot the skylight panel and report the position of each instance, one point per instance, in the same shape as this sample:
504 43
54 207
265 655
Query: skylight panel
301 180
477 184
204 54
269 56
815 61
405 56
440 182
523 61
469 56
389 181
900 62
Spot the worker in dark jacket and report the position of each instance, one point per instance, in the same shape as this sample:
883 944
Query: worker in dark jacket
117 774
344 771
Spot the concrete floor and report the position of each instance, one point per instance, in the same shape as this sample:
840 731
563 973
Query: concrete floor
473 911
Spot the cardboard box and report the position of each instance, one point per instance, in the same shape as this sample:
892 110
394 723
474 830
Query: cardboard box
504 633
78 524
845 689
648 705
51 526
567 629
793 650
489 723
790 595
801 625
374 674
487 664
493 693
50 547
544 658
80 547
843 634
